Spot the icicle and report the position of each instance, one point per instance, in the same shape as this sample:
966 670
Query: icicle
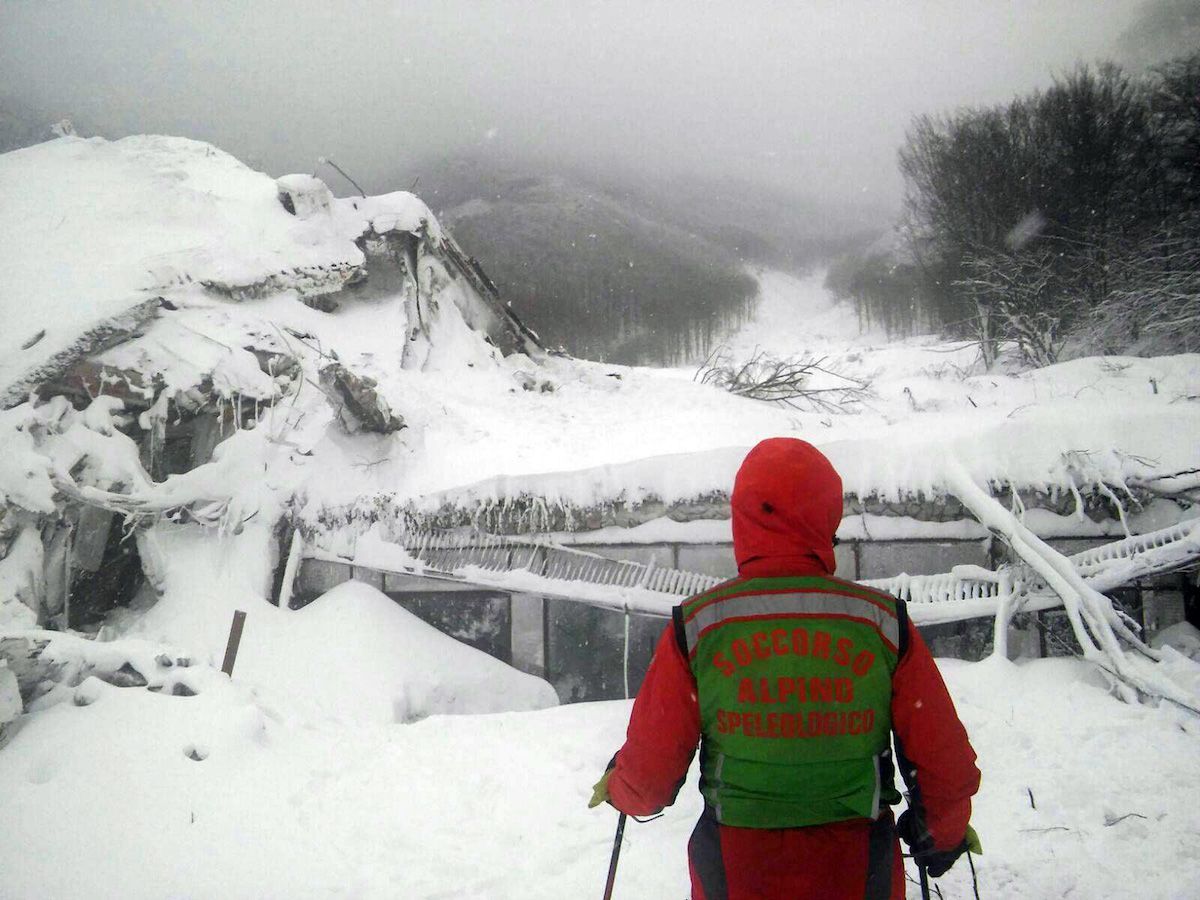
1018 503
1078 498
1104 489
295 553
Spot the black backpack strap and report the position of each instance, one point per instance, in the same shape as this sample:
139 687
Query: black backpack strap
902 621
680 633
881 842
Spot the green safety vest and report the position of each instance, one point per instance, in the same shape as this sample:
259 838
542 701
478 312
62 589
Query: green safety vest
795 684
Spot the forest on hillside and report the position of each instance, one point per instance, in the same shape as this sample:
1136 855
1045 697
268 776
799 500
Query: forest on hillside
1066 221
597 275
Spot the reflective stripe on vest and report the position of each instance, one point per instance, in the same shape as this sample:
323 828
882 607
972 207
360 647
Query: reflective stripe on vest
820 600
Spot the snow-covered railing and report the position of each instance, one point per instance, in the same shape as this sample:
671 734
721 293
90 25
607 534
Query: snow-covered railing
530 566
497 554
965 592
971 591
1145 554
493 553
523 566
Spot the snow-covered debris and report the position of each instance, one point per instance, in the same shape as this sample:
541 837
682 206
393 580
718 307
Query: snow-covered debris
21 574
24 471
91 229
98 237
169 313
304 195
361 407
397 211
1184 637
10 696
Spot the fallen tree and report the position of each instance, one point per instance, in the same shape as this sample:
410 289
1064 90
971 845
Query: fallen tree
1098 626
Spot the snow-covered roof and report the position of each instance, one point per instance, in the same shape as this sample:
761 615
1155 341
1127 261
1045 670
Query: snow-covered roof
91 230
646 438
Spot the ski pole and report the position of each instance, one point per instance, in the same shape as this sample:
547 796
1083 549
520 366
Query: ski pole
924 881
612 863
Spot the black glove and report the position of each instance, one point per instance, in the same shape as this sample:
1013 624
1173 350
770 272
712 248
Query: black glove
912 831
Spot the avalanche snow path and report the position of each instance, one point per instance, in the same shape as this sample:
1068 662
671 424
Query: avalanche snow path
101 801
794 314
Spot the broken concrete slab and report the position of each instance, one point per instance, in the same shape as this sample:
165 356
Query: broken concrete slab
362 407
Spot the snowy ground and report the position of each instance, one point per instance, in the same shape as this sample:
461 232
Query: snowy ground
103 801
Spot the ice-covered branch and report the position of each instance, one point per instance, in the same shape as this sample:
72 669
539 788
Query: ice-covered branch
1093 618
82 457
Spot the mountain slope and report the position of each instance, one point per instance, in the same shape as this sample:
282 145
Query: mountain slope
591 271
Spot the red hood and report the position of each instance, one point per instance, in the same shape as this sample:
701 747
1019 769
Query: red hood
787 504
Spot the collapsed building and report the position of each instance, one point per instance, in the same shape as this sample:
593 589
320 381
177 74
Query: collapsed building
130 367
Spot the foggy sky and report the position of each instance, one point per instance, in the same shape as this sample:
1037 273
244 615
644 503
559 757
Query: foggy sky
812 94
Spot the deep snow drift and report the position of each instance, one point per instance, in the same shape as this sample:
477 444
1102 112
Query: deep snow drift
1082 796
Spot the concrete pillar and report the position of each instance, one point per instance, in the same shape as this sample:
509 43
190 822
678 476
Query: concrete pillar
529 634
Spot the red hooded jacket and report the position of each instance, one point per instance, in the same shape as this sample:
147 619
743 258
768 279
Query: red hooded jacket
786 507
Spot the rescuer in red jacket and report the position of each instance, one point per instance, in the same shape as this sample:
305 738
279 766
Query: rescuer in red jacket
791 682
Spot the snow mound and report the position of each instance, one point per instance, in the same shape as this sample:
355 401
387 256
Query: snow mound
1183 637
353 654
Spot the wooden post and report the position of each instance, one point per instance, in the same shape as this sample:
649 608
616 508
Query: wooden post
66 613
235 638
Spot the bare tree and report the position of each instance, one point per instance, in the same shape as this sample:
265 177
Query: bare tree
1019 298
786 380
1155 301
